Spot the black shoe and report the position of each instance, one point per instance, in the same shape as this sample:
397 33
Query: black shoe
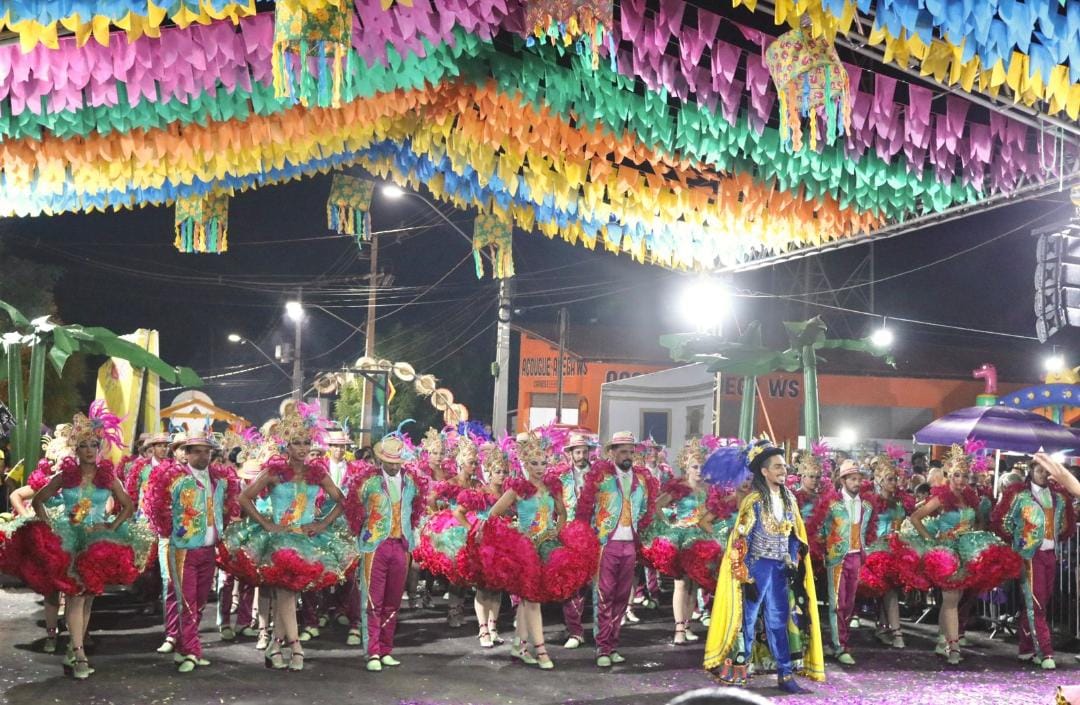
792 686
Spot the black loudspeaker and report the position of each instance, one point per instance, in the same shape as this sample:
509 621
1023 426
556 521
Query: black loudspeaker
1057 280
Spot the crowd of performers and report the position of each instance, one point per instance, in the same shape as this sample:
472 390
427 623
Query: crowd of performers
282 519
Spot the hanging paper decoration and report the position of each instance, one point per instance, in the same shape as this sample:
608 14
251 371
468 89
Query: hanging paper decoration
492 232
811 83
311 49
347 207
202 223
568 20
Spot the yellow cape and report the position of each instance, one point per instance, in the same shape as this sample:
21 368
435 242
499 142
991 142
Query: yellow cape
727 609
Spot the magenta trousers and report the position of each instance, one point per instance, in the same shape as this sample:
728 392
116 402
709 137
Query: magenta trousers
1043 572
616 582
196 570
385 572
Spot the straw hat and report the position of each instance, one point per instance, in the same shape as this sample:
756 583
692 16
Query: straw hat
848 467
577 440
390 449
425 384
195 440
404 371
442 399
337 438
621 438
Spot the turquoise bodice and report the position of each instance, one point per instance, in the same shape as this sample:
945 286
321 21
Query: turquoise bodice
293 503
536 514
85 505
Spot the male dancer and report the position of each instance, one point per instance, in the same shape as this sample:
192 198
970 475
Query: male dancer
189 504
1034 519
841 521
767 551
573 479
387 536
344 597
615 500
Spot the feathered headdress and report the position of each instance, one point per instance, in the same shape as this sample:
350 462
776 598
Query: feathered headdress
301 421
101 425
957 458
815 459
729 466
465 450
980 461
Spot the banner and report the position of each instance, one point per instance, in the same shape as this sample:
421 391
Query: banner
120 385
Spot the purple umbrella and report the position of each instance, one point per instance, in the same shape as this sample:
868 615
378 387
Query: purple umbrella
1000 428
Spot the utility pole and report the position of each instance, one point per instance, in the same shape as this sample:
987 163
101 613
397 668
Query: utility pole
501 368
298 365
369 335
563 315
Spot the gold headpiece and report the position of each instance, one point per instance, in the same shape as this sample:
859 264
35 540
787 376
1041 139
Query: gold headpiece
300 421
492 458
882 465
809 462
957 459
530 448
433 442
465 450
692 449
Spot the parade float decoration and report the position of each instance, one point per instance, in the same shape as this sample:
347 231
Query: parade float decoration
747 357
988 374
44 340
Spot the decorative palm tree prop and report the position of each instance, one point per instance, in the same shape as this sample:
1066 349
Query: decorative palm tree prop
747 357
58 343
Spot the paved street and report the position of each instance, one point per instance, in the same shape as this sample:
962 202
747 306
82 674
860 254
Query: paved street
442 670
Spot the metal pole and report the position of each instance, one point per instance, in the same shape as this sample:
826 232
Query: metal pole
563 314
718 403
501 368
297 365
369 337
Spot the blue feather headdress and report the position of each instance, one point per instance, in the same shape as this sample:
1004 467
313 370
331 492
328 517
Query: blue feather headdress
729 466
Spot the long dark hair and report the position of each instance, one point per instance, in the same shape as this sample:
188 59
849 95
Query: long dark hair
758 482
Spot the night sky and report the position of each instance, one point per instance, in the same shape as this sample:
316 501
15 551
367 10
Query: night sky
123 272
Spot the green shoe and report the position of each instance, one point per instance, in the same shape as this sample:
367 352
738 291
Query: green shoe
187 664
354 638
616 657
167 646
389 660
846 659
81 670
227 634
603 661
374 664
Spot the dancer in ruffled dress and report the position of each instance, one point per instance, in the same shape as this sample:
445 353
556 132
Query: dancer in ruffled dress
682 542
473 506
540 557
880 575
957 556
86 547
56 448
290 550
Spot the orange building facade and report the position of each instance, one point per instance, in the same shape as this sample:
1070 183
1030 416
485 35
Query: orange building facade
874 405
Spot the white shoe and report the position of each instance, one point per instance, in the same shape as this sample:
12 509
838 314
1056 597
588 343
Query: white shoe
691 636
572 643
167 646
898 642
631 617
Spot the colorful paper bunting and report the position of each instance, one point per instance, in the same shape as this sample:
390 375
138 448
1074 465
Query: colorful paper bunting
348 205
202 224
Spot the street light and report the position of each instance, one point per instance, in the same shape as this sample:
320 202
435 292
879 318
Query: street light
501 368
848 437
883 337
237 338
1054 363
294 310
705 303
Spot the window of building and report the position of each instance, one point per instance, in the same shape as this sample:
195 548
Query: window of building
695 417
656 424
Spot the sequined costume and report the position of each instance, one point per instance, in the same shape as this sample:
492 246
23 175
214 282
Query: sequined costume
754 578
675 544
